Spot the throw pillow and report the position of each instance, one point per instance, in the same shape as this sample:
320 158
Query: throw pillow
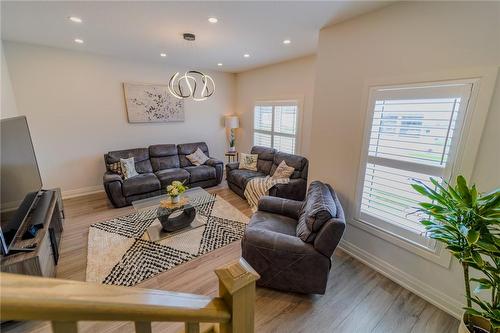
283 171
318 208
198 157
248 161
128 167
115 168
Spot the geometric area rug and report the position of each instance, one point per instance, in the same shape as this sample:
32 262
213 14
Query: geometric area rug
120 252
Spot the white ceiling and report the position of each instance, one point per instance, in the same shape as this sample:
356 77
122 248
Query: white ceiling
142 30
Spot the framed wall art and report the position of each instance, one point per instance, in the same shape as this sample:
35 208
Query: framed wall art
151 103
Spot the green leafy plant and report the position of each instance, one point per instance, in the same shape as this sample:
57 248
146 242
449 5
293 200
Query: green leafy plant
468 223
176 188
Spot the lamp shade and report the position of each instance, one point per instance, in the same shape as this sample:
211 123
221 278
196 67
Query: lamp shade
232 122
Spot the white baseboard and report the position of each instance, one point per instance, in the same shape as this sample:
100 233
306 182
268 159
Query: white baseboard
82 191
429 293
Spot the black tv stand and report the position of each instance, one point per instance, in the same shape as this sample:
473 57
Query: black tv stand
38 255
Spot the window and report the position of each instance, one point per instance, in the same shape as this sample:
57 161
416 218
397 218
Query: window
275 125
413 133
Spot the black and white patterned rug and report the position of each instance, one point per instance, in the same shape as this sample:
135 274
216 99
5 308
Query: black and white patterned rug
120 252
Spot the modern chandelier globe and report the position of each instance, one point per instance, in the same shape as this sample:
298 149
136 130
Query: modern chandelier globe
194 84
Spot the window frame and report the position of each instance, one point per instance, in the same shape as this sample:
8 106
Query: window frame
279 102
427 248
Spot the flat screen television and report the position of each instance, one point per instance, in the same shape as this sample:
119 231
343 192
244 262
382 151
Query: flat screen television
20 179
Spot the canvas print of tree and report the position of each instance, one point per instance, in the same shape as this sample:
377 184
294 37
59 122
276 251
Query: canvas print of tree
151 103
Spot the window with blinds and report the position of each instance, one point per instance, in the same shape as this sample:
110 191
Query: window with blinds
413 133
275 125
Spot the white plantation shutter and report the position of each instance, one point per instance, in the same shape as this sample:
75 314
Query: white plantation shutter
275 125
413 134
263 125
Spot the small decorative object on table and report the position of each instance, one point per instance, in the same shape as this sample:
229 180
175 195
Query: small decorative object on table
169 222
175 190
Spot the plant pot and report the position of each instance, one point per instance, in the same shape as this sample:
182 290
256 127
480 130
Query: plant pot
232 149
175 199
481 325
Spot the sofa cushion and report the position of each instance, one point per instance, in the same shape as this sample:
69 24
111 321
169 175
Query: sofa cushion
295 161
241 177
143 183
115 168
127 166
283 171
167 176
198 157
273 222
248 161
200 173
266 158
318 208
164 157
189 148
140 155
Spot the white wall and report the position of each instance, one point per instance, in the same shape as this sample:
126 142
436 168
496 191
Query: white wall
487 168
75 107
404 39
8 107
287 80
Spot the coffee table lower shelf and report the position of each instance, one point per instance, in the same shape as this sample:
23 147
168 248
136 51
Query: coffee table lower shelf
156 233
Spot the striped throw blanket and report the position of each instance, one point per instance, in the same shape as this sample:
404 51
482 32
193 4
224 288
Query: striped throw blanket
260 186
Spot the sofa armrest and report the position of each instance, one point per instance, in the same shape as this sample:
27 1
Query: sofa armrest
274 241
294 190
111 177
280 206
219 168
232 166
113 187
213 162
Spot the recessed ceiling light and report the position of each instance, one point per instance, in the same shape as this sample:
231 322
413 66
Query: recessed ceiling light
219 64
163 55
78 40
75 19
213 20
287 41
246 55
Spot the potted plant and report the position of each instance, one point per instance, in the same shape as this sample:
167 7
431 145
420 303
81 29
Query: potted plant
175 190
468 223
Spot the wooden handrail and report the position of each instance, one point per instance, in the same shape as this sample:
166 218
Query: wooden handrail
65 302
34 298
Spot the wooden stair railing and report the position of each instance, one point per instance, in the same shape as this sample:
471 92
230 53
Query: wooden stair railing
65 302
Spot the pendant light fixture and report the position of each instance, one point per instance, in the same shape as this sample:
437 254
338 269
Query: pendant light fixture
194 84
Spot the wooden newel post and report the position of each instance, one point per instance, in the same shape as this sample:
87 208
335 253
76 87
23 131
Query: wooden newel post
237 288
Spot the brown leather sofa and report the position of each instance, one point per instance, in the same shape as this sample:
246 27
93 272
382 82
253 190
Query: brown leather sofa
267 162
290 243
158 166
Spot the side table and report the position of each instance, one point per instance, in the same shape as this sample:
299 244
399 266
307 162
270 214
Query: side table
231 157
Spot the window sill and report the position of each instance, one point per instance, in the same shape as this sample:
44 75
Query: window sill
437 255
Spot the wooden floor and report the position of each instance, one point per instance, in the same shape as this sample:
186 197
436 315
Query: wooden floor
357 299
